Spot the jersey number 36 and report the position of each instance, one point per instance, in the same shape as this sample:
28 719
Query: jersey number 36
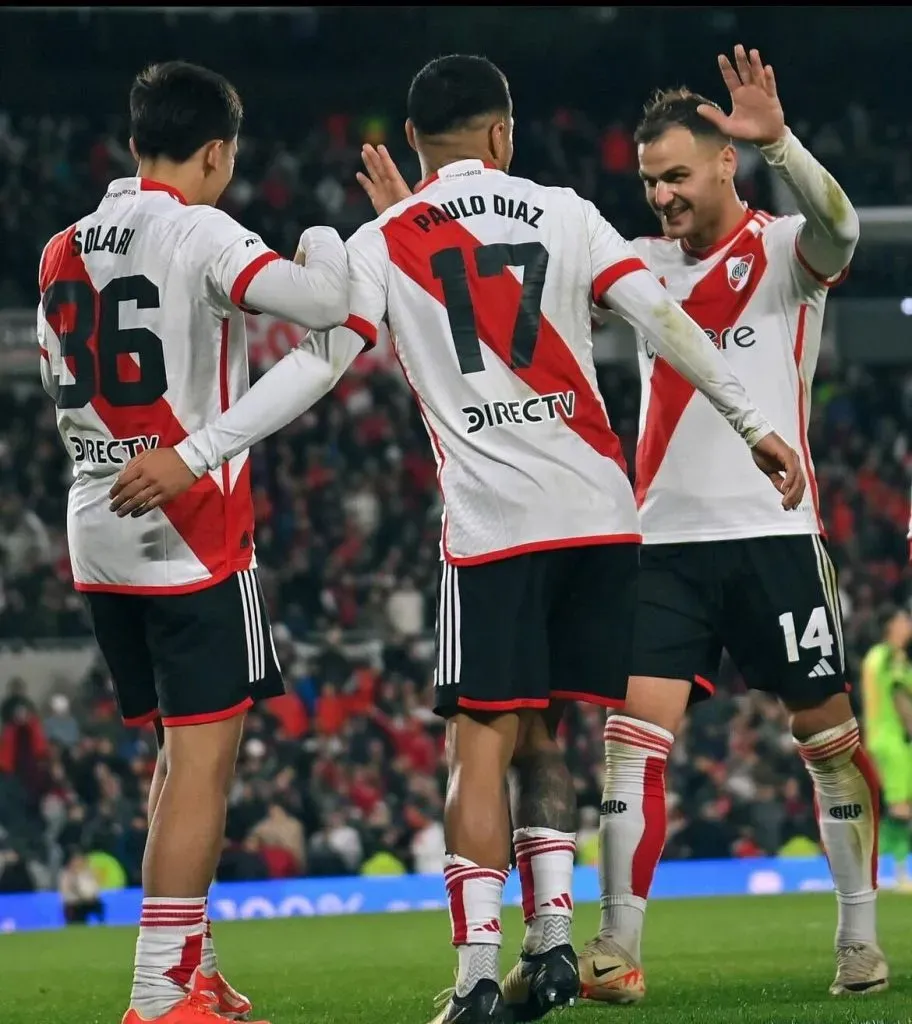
97 350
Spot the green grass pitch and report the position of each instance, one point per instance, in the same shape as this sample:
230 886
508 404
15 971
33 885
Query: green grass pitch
737 961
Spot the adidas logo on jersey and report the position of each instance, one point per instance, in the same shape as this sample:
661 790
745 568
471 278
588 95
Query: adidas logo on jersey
822 668
561 405
739 268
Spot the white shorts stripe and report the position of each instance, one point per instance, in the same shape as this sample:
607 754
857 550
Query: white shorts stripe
449 648
439 671
254 591
248 626
827 572
457 628
253 626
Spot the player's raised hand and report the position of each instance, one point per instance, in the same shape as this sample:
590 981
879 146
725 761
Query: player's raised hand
782 465
383 183
756 114
148 480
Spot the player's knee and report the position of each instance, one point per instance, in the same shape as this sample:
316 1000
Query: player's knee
537 733
481 743
661 702
808 720
203 755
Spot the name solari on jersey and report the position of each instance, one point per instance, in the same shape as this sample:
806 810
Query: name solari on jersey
142 342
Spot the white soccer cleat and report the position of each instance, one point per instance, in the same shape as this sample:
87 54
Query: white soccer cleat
609 974
861 968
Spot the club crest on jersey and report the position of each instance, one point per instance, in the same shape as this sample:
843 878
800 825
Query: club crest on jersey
739 268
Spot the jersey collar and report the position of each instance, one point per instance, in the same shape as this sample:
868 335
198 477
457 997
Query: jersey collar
702 254
457 169
148 185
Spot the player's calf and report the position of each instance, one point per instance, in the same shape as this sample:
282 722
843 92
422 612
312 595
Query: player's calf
544 811
633 822
230 1003
476 826
182 851
847 793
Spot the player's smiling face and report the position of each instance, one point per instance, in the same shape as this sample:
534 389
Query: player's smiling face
685 178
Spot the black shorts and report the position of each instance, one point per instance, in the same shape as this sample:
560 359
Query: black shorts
190 658
523 631
771 602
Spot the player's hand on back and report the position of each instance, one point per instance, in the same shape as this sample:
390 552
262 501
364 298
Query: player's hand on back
783 466
383 183
148 481
756 114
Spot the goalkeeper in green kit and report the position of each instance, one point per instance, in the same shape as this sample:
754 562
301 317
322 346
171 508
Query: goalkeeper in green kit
886 689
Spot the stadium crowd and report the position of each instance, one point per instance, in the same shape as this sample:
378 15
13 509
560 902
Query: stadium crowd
282 186
344 774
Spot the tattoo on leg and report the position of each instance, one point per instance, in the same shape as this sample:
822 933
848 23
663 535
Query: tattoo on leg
544 795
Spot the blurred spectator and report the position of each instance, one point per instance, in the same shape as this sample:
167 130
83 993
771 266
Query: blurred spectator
80 892
60 725
281 839
14 874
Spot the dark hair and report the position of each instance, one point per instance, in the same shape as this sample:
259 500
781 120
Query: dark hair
670 108
177 107
449 92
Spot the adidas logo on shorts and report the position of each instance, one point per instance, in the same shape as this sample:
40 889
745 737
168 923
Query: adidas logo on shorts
822 668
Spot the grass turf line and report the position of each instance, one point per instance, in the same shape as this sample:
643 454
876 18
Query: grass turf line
754 960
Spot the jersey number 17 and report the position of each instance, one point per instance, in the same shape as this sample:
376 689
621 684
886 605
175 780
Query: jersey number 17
449 267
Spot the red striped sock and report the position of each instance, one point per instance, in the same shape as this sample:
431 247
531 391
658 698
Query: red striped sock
545 859
476 896
633 823
847 801
209 959
168 951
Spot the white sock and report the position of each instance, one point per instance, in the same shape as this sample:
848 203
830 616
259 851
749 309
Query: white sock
476 897
545 859
209 962
633 824
847 796
168 950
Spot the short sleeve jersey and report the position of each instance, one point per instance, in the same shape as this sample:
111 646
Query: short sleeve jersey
486 281
762 306
142 342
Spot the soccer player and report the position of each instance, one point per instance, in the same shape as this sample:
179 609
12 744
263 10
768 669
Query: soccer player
486 281
142 341
886 692
721 565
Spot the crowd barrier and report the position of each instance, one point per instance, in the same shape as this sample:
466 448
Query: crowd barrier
309 897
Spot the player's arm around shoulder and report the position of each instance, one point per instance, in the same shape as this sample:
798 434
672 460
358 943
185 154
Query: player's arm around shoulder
238 269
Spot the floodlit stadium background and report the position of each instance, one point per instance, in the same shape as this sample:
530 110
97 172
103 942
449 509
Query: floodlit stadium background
343 777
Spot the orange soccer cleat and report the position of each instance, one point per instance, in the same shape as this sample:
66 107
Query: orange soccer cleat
227 1002
199 1006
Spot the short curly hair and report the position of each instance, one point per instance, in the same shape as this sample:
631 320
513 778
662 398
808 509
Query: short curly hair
670 108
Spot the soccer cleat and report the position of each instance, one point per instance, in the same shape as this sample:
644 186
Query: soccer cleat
483 1005
541 982
609 974
229 1003
860 969
195 1008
